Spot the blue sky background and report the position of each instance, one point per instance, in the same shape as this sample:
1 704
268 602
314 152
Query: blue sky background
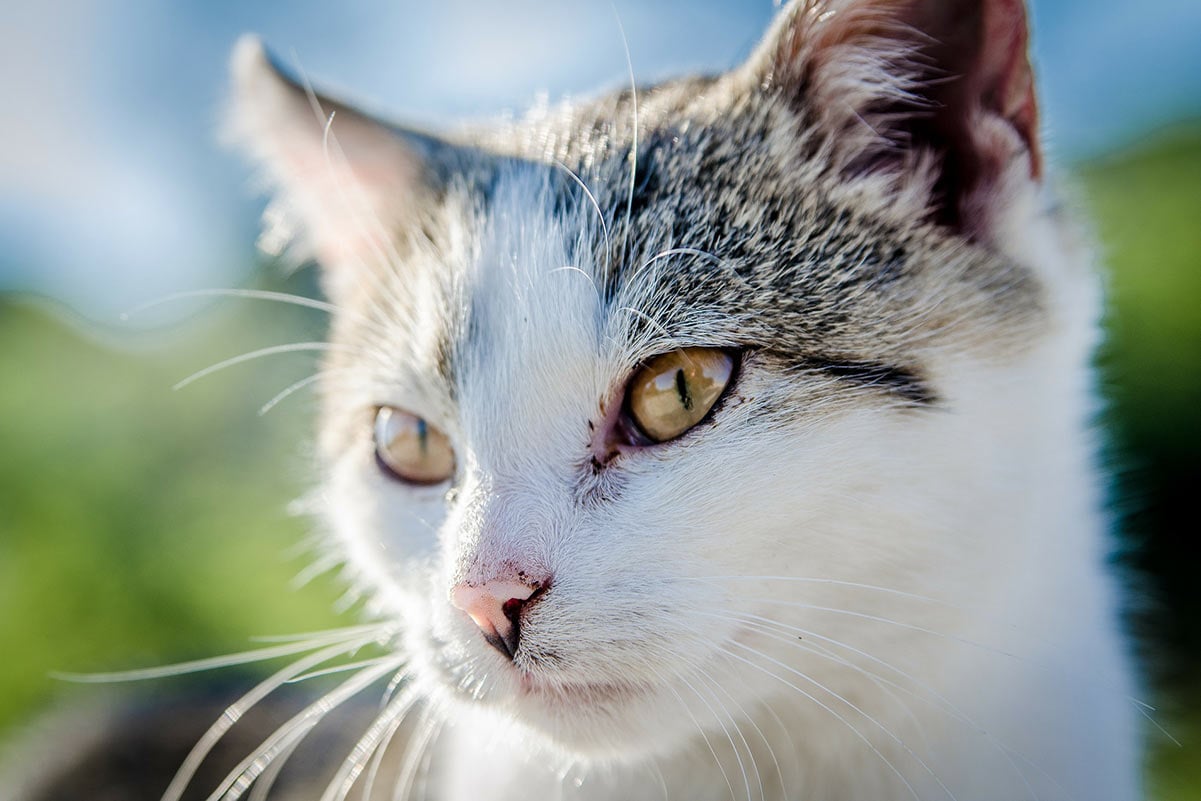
113 189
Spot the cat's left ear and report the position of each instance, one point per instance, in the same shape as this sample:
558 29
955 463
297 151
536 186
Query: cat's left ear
941 88
346 184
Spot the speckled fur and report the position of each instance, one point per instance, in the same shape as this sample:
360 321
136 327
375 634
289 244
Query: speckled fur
735 613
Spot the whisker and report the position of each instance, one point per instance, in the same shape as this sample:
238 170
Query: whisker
1049 668
378 240
737 756
234 712
834 582
238 780
945 705
716 687
573 268
249 294
699 727
890 621
261 789
357 760
308 635
392 687
659 326
377 759
297 386
1143 710
427 760
687 251
625 43
292 347
595 206
345 668
317 567
824 706
218 662
414 754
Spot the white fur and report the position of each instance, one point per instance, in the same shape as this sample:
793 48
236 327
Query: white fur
1008 684
855 601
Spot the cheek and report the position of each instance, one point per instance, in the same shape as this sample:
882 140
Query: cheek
383 528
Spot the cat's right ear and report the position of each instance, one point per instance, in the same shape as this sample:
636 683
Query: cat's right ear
936 95
347 186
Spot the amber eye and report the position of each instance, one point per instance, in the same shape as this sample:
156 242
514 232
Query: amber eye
411 449
674 391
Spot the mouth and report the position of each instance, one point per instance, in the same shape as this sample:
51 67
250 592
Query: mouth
577 694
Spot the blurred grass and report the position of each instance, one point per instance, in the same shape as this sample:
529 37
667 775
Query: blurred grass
1147 205
140 526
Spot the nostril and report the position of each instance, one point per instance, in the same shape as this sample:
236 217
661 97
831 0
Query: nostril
496 606
512 609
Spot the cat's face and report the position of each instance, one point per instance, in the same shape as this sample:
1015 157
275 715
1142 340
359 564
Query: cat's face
609 569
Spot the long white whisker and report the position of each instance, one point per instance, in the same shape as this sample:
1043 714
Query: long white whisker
658 326
891 622
833 582
423 771
249 294
428 728
239 779
292 347
321 633
705 678
595 206
1145 710
943 704
234 712
892 735
261 789
317 567
344 668
377 759
574 269
380 240
296 387
393 686
699 727
737 755
364 750
824 706
625 43
217 662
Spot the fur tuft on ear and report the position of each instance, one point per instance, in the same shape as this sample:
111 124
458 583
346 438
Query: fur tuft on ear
346 185
897 85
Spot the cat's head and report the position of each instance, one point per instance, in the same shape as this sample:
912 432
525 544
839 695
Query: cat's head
618 388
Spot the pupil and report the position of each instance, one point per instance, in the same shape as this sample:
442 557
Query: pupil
422 436
682 390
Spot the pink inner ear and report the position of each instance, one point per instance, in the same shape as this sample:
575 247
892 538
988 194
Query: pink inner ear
892 80
1005 65
977 54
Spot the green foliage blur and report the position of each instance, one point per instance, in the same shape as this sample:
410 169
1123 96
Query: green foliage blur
141 526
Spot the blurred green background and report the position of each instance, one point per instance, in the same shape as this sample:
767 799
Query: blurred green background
141 526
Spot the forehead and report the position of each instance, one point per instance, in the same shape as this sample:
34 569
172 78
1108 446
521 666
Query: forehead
589 251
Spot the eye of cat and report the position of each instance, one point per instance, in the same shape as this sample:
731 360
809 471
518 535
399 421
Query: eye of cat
410 449
674 391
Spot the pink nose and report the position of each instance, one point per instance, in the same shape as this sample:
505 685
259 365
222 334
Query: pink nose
496 606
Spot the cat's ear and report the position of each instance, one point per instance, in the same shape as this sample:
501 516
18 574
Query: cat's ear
942 87
346 185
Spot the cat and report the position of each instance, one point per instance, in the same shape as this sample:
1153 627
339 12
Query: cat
727 438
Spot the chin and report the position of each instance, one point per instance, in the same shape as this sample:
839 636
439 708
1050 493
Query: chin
599 721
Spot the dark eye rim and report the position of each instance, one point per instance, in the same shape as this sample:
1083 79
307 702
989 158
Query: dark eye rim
627 428
387 469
